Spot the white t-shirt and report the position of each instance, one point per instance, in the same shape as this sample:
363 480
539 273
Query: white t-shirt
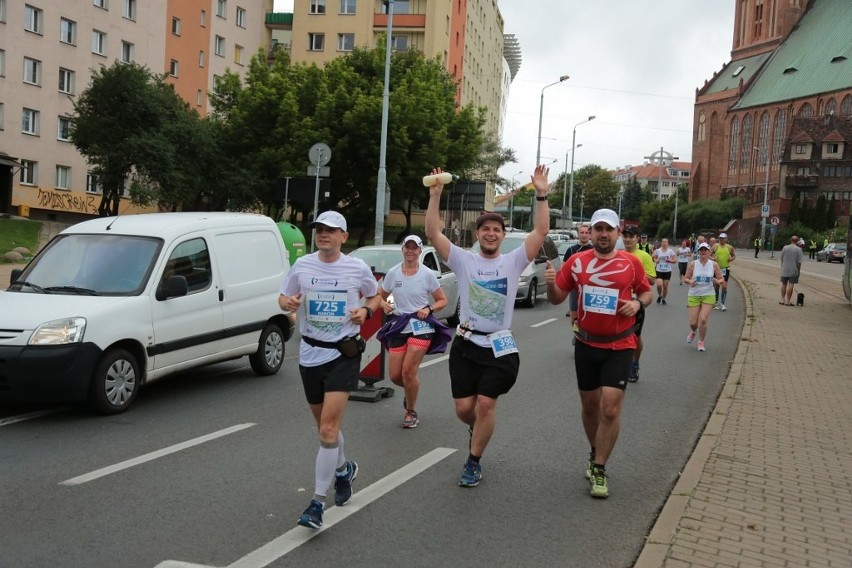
684 254
487 288
410 293
664 259
329 290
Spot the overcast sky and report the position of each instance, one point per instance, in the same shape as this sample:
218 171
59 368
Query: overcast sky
633 64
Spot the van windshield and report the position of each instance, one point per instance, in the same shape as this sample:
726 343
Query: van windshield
102 265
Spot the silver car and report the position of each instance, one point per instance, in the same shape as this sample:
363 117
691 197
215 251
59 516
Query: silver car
382 258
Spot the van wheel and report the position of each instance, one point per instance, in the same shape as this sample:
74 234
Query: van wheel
455 319
270 351
115 382
531 294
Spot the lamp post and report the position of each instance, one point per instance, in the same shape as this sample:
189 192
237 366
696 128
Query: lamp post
512 199
541 116
764 212
571 190
565 182
381 178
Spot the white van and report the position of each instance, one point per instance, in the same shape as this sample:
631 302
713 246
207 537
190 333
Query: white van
114 303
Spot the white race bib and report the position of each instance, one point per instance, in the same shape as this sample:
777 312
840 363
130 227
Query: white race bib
419 327
600 300
327 307
502 343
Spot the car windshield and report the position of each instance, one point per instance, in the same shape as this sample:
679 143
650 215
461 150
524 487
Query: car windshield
379 260
102 265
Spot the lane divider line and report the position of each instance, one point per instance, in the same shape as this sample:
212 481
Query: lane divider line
434 361
545 322
31 415
103 472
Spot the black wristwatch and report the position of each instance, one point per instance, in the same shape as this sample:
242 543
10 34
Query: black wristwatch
369 311
642 306
541 198
431 311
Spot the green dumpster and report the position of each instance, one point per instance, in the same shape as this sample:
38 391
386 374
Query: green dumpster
294 240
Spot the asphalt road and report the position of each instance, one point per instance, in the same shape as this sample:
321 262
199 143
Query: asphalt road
214 467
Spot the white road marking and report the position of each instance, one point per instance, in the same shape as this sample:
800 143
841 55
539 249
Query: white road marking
153 455
545 322
30 415
434 361
292 539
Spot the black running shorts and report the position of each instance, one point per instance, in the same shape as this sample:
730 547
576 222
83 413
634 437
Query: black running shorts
475 370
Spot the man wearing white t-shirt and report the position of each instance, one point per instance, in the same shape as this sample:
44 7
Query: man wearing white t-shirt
484 358
324 288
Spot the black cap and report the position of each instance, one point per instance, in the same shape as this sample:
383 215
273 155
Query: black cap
490 216
630 229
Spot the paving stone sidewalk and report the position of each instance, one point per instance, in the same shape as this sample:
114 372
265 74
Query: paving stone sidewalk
770 481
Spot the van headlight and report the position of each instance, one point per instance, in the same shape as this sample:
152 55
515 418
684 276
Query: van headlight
523 280
59 332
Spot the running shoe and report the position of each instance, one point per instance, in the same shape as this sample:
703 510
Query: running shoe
600 489
590 467
343 483
471 474
410 420
716 306
701 346
690 337
634 372
723 308
659 299
664 302
312 517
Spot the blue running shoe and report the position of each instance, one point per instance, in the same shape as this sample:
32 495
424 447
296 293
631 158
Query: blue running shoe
634 373
343 483
312 517
471 475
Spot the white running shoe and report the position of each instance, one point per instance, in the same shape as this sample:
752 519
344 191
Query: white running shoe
690 337
716 306
723 308
701 346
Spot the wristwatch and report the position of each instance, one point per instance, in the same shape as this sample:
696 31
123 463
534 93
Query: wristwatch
641 304
369 312
541 198
431 311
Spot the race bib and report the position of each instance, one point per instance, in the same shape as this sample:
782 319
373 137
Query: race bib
502 343
600 300
724 272
327 307
663 266
702 279
419 327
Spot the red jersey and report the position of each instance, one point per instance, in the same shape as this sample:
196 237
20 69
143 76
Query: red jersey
600 283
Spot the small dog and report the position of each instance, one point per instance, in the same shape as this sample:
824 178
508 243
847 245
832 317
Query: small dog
800 299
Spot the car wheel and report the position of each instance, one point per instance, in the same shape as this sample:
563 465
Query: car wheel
270 351
115 382
531 294
455 319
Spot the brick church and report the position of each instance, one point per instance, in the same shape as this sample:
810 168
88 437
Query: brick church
778 116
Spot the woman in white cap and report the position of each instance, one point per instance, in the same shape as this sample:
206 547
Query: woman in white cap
701 276
416 295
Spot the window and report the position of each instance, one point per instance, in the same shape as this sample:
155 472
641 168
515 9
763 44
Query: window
399 43
2 10
317 7
348 7
241 17
316 42
66 81
201 58
63 129
199 97
29 121
239 55
222 8
33 19
402 7
219 46
32 71
803 171
104 4
63 177
345 42
2 119
67 31
190 259
27 175
176 26
203 18
92 183
126 52
2 62
130 9
173 68
801 149
832 148
832 171
98 42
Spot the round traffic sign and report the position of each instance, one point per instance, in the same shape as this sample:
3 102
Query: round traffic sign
319 154
775 220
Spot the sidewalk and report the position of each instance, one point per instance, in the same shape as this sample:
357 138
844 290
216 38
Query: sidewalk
770 480
49 229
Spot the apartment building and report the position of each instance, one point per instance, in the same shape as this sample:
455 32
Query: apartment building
663 182
48 50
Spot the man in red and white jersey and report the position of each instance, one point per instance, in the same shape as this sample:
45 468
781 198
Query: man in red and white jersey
606 280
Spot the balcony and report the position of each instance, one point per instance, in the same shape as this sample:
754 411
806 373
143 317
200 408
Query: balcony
794 180
400 21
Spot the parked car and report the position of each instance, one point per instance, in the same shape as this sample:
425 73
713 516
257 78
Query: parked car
114 303
382 258
834 252
531 283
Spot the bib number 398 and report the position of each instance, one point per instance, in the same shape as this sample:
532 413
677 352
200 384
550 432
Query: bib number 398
502 343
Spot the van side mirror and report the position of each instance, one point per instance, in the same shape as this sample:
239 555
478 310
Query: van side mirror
173 287
16 273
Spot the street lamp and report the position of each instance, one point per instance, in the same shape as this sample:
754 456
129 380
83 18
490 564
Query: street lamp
565 182
541 116
764 212
381 177
512 199
573 147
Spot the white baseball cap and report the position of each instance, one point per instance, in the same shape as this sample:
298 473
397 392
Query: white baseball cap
331 219
703 246
413 239
723 235
607 216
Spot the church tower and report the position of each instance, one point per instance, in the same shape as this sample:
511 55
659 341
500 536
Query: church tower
761 25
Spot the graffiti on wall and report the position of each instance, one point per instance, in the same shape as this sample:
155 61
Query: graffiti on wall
50 199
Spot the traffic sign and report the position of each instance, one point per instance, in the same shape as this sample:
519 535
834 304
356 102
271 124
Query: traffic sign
773 229
322 171
775 220
764 211
319 154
